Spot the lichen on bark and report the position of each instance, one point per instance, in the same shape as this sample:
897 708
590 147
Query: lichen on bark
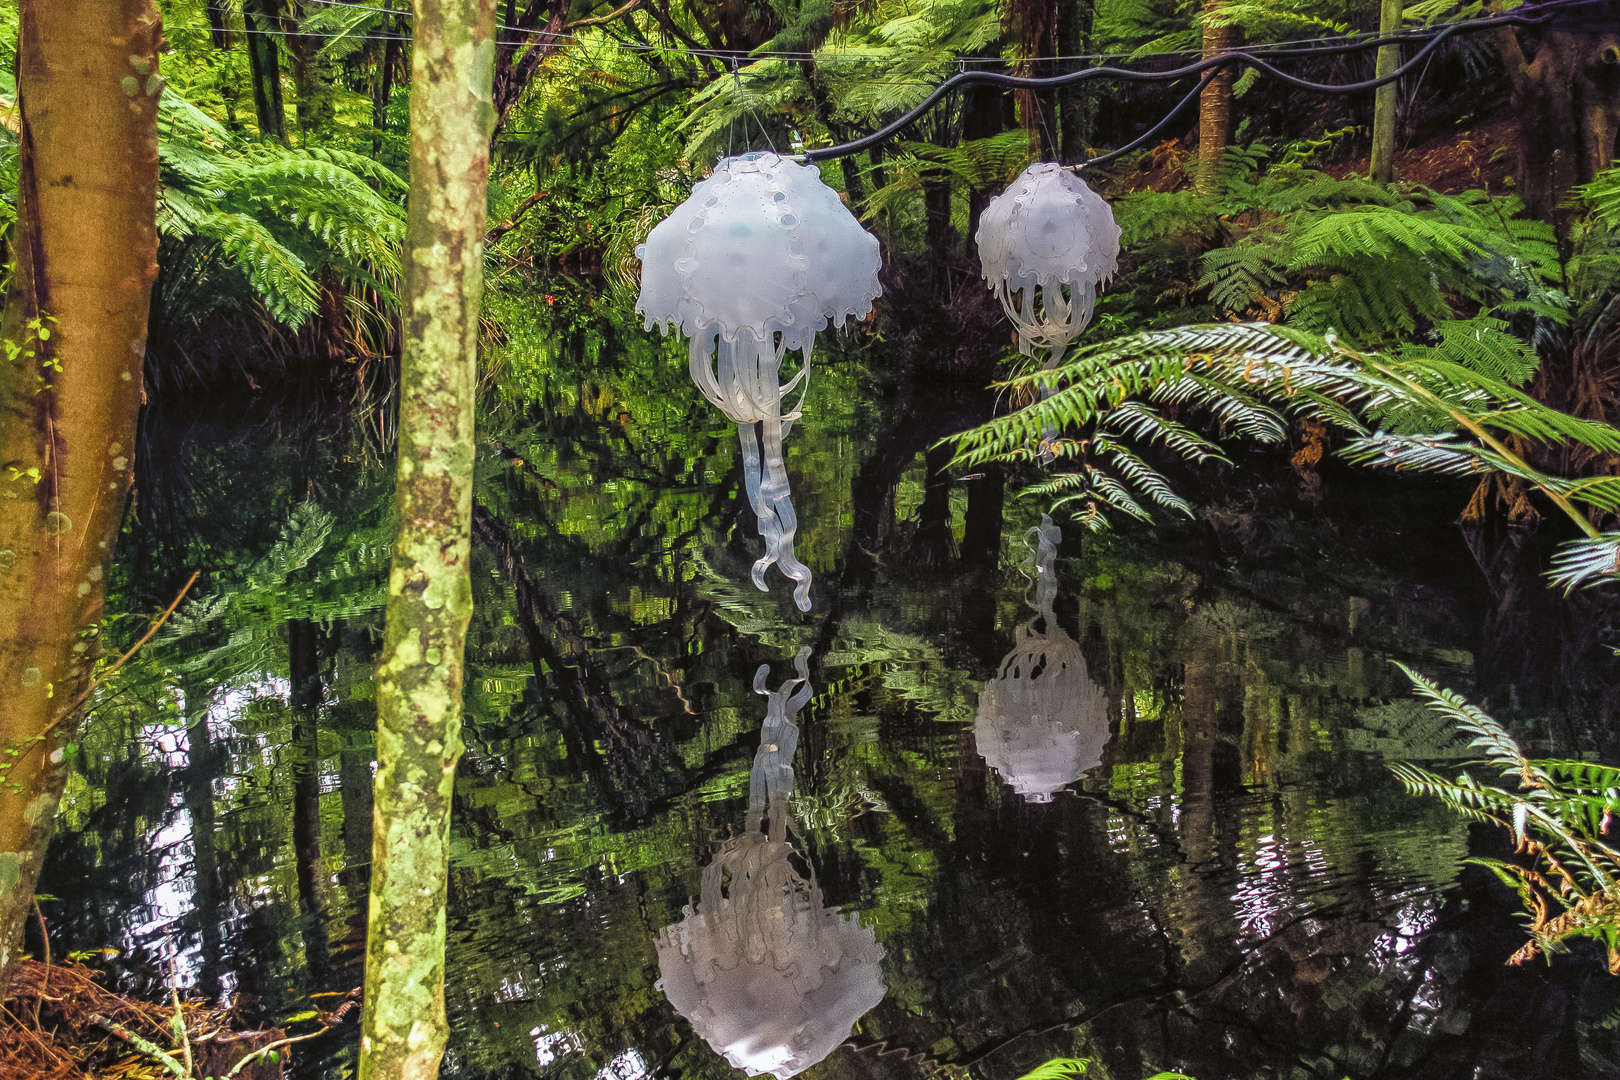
419 676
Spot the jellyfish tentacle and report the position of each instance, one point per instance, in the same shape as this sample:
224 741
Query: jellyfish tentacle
764 511
774 488
787 388
702 351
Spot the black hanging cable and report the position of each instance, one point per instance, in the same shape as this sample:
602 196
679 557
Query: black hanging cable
1205 68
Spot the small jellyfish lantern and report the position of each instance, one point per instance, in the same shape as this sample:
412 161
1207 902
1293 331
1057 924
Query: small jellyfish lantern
1046 245
769 976
759 258
1042 722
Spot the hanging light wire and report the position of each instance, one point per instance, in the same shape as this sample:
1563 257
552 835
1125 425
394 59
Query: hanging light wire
1319 46
1205 69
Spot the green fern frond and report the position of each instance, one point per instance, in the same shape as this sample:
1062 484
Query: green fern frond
276 274
1058 1069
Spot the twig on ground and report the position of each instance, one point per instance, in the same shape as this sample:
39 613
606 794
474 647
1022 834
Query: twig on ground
179 1022
45 943
261 1051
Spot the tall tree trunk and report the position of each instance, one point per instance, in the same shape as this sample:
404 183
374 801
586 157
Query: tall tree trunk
1381 164
218 28
419 677
264 67
383 87
312 75
86 255
1036 23
1566 94
1215 103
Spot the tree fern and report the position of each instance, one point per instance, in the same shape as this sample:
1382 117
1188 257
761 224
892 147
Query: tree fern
283 216
1558 813
1452 418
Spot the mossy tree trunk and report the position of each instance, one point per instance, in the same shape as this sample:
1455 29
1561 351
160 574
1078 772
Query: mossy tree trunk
1386 99
419 678
86 256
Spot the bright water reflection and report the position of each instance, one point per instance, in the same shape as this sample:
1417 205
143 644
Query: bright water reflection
1238 889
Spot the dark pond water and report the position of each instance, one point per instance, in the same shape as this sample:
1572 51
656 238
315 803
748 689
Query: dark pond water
1195 859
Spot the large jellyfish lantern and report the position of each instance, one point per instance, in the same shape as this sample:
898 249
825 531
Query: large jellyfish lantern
1046 245
759 258
1042 721
768 975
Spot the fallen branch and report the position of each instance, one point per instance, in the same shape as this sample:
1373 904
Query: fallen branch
150 1049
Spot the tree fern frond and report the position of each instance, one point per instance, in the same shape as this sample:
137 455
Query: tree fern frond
1580 564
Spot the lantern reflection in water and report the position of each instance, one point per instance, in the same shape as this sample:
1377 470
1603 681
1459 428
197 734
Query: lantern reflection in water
771 977
750 267
1042 721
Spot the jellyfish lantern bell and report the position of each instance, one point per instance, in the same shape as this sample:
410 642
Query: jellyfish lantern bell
759 258
1048 232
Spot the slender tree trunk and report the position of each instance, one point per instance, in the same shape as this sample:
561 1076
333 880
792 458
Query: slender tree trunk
1382 163
86 255
312 75
384 87
1077 104
264 67
1215 103
419 678
218 28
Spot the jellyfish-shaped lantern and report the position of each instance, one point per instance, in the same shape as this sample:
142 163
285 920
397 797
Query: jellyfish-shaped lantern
1047 244
1042 722
759 258
768 975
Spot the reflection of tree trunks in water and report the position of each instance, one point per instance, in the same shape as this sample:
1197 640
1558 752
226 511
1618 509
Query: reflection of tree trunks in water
933 545
197 798
304 659
1207 908
628 756
1541 651
981 534
1259 735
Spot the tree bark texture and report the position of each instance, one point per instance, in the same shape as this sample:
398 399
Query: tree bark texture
1215 102
419 676
1566 93
86 256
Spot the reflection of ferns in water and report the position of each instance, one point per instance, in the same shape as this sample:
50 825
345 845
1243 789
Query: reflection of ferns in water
1558 812
1405 730
254 608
